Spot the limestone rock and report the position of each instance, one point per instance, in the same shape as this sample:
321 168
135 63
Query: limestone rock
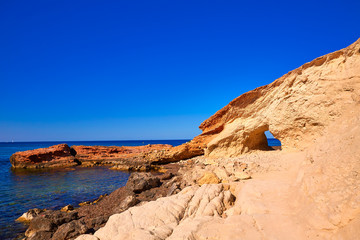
30 215
54 156
296 108
309 190
208 178
241 175
159 219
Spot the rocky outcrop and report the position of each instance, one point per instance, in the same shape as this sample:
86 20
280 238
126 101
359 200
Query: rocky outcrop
295 108
30 215
124 158
137 158
309 190
167 217
69 222
54 156
139 182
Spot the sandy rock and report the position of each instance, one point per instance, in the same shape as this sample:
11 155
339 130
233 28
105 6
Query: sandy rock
296 108
158 219
208 178
87 237
221 173
241 176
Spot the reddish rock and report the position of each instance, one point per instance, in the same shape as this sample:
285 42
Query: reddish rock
126 156
54 156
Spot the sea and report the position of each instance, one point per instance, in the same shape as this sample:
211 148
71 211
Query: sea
21 190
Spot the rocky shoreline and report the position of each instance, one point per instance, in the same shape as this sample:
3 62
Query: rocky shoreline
230 185
141 188
68 222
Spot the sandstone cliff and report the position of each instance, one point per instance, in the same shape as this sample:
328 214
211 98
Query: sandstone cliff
295 108
309 190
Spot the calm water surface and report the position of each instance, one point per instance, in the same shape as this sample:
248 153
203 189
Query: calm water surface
53 189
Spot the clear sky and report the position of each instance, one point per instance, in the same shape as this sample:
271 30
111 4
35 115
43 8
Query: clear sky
122 70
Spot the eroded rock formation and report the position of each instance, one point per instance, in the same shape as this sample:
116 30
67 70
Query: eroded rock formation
308 191
296 108
125 158
54 156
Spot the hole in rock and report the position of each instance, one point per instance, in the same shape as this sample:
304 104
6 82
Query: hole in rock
272 141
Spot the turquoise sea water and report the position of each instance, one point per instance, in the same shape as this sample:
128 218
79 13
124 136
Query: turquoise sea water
53 189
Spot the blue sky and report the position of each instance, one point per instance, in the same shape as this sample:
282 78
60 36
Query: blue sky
122 70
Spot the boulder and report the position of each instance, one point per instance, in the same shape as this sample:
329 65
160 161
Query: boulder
139 182
49 221
54 156
30 215
70 230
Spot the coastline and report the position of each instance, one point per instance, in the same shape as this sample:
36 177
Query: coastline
91 215
228 182
141 187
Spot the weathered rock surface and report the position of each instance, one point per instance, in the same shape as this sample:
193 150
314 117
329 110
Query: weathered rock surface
54 156
137 158
159 219
69 222
308 191
30 215
139 182
126 158
296 108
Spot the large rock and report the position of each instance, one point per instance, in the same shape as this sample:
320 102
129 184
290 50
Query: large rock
54 156
295 108
30 215
139 182
49 222
167 217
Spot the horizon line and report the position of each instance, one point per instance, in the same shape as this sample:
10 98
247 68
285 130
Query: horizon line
139 140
